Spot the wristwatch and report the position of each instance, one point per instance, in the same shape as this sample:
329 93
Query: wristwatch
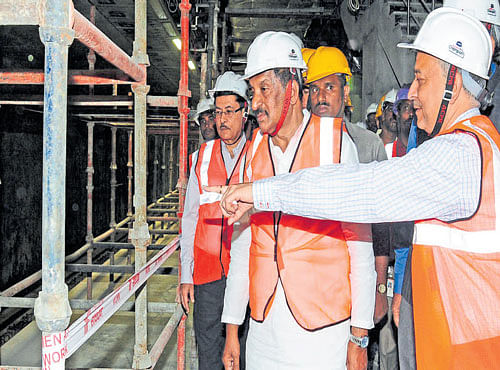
360 341
381 288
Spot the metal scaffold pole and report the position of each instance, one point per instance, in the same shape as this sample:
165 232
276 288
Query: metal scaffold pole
113 185
139 235
52 310
90 189
184 95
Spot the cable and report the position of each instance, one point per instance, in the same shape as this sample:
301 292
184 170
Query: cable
353 5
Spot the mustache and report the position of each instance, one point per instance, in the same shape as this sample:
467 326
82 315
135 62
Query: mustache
261 110
319 104
223 126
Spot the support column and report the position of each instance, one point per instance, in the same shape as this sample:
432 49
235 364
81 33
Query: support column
90 188
130 175
112 218
52 310
184 95
171 165
91 57
164 172
155 168
139 235
224 44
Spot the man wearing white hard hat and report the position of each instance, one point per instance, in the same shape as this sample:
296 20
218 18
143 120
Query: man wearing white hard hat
205 119
451 191
371 122
488 12
206 237
310 283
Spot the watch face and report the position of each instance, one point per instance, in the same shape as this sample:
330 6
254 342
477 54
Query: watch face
381 288
364 342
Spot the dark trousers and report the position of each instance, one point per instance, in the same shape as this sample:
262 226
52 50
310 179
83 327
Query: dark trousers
208 328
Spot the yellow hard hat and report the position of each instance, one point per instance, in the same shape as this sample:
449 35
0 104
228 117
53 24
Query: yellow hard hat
378 113
306 55
326 61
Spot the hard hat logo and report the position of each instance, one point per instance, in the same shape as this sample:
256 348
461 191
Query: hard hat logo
293 55
492 11
457 49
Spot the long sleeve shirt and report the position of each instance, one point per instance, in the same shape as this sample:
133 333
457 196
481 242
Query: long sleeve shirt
191 207
439 179
362 274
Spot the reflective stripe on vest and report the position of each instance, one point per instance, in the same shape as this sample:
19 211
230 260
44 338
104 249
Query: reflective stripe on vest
310 256
207 197
455 272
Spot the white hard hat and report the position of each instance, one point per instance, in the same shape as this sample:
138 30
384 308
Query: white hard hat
486 11
391 96
297 39
204 105
372 108
272 50
457 38
230 82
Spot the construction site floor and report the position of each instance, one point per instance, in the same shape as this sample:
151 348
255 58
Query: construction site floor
112 346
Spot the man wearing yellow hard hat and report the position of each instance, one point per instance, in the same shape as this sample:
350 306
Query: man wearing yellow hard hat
328 75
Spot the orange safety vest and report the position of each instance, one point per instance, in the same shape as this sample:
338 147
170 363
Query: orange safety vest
456 273
309 256
212 240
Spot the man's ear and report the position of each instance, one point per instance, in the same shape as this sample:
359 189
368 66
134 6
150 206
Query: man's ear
295 93
457 88
347 90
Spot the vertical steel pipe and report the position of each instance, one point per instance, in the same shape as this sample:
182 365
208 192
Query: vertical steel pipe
90 188
224 44
112 218
184 94
155 167
52 310
164 166
210 41
130 175
139 234
171 165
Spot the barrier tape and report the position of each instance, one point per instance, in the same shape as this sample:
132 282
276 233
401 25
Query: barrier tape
58 346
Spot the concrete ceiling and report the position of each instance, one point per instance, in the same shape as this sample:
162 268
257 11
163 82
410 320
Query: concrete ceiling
20 46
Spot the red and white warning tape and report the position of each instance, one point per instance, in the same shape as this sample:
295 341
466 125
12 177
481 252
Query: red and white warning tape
58 346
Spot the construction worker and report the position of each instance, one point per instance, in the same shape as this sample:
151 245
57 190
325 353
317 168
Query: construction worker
328 74
451 191
488 12
206 237
371 122
306 54
310 283
387 120
205 119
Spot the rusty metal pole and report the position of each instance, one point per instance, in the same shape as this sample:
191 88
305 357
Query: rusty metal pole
183 94
139 235
52 310
93 38
112 218
90 189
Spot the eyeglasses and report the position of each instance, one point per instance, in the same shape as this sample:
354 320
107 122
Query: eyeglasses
229 113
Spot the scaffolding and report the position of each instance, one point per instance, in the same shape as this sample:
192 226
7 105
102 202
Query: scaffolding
59 23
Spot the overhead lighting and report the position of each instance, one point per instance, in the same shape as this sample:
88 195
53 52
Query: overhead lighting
191 65
177 42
